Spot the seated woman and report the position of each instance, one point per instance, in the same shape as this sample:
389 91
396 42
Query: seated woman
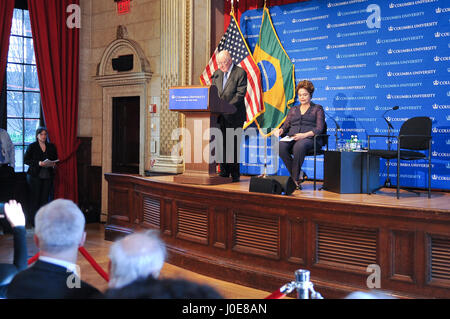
302 123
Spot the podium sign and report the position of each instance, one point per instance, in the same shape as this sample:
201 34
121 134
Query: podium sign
201 105
193 98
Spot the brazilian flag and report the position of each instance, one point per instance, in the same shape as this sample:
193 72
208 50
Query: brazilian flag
277 77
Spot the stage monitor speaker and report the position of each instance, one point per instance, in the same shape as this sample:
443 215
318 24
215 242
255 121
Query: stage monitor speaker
272 185
123 63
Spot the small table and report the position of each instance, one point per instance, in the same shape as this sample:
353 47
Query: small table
345 172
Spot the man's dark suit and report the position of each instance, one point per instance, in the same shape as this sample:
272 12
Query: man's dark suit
234 93
47 281
8 271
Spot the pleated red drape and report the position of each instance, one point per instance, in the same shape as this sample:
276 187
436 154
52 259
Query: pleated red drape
6 13
57 58
244 5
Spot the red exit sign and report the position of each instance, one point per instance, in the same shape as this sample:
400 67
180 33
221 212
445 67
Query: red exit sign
123 6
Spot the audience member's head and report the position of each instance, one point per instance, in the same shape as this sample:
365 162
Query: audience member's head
136 256
151 288
373 294
59 227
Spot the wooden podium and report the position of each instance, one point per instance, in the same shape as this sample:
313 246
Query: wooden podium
201 105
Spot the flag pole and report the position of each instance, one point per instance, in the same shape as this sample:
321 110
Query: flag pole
265 139
265 156
264 174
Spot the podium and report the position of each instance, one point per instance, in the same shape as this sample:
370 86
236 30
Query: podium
201 105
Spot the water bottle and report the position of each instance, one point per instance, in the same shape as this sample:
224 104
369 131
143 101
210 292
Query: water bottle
358 144
347 146
352 143
341 145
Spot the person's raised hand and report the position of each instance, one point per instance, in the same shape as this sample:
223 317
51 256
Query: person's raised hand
14 213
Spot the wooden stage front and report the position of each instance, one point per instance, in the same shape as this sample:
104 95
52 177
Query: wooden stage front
259 240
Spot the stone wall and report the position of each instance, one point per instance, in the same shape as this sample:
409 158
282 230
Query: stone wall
99 27
150 24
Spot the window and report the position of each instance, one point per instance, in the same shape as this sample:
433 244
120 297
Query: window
23 105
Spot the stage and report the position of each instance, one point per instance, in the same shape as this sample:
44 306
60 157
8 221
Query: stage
259 240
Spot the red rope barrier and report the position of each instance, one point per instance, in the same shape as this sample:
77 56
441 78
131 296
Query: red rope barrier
86 255
33 259
93 263
276 295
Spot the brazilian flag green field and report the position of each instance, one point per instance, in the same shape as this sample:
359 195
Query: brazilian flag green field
277 77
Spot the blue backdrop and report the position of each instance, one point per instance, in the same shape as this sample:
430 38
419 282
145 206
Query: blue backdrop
362 67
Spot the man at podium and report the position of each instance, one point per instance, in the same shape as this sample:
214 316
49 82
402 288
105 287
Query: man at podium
231 83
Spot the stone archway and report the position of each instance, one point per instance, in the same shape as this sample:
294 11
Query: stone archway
122 84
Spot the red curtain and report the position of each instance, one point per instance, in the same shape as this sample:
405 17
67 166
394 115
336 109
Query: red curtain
6 13
244 5
57 58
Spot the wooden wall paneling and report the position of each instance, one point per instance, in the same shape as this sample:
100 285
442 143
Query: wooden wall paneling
256 234
311 244
230 230
351 248
384 257
137 208
296 240
192 222
83 163
403 256
226 234
151 211
119 211
167 212
94 193
420 261
341 251
89 182
218 217
438 251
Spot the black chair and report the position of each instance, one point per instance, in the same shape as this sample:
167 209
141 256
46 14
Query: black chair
318 151
414 136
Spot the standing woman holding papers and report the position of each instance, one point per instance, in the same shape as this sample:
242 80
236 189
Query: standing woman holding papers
302 123
41 157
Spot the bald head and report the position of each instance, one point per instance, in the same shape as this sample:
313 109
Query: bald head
136 256
139 244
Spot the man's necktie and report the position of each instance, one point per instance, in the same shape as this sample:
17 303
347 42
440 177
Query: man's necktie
225 78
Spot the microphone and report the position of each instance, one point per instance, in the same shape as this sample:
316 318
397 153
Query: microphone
389 123
335 122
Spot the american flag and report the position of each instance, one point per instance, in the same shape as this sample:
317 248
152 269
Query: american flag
234 42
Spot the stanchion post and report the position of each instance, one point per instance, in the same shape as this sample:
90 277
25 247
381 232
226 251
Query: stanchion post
305 286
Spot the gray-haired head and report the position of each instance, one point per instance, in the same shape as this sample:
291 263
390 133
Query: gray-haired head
59 226
224 60
373 294
138 255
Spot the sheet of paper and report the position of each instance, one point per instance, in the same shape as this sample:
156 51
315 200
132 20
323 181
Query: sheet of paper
48 162
286 139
